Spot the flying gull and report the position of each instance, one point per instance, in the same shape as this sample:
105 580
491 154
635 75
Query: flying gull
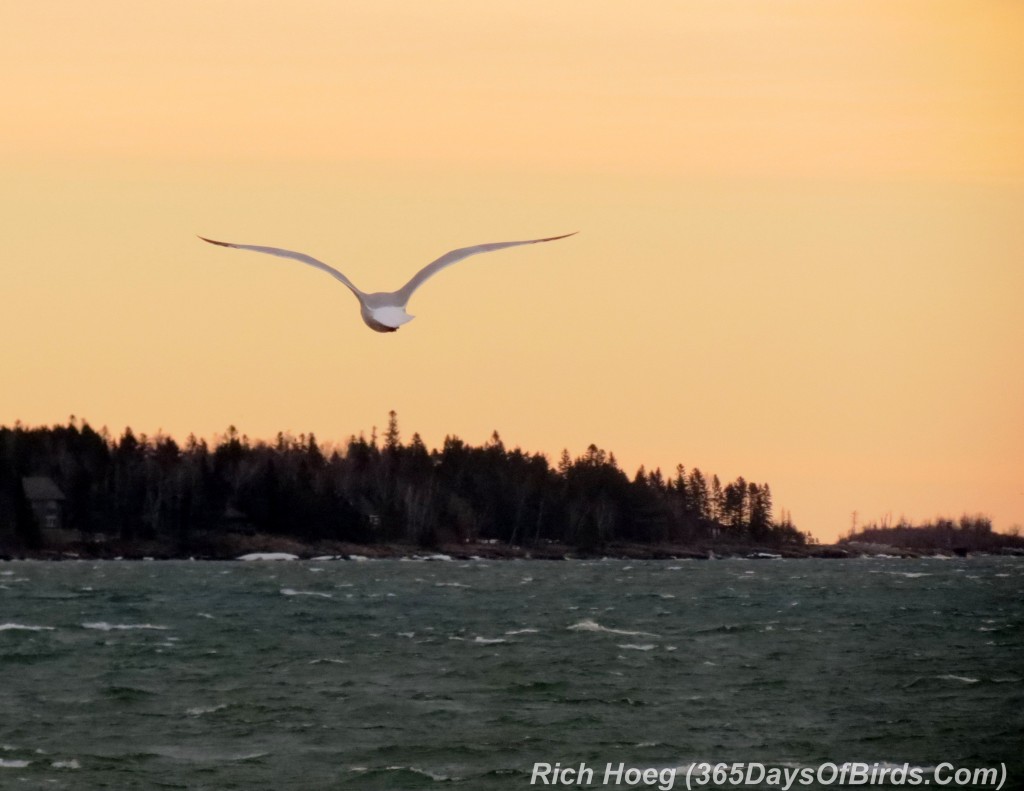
384 311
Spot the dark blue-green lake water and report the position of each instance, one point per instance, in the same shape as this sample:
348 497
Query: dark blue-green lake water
405 674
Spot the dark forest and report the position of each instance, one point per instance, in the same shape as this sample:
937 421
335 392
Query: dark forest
966 534
370 491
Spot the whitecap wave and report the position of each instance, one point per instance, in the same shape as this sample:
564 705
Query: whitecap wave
199 711
293 592
20 627
416 770
488 640
589 625
638 646
103 626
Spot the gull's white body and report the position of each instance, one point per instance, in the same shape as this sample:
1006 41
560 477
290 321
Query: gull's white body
384 311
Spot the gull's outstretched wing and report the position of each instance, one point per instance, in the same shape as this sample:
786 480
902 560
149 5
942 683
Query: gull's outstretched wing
306 259
448 259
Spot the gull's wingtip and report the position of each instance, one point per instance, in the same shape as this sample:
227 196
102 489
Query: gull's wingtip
214 241
563 236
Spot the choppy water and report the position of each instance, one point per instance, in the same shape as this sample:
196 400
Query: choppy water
395 674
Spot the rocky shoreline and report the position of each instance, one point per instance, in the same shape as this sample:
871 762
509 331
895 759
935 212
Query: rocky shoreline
234 547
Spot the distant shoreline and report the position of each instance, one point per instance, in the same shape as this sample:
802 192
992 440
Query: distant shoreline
238 547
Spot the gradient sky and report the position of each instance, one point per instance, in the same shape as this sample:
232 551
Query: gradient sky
800 259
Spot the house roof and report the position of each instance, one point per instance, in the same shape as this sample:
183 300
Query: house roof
232 513
39 487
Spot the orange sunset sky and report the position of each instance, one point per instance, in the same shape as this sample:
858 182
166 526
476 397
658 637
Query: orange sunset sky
800 258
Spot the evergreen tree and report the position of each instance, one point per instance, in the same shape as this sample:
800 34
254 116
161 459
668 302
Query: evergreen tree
716 500
392 439
700 497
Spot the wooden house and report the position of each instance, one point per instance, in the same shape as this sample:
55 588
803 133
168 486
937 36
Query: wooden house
46 501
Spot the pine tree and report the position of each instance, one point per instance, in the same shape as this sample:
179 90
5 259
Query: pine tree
717 502
392 439
700 499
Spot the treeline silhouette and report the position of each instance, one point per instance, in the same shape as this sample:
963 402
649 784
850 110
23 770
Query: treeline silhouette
968 534
377 490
